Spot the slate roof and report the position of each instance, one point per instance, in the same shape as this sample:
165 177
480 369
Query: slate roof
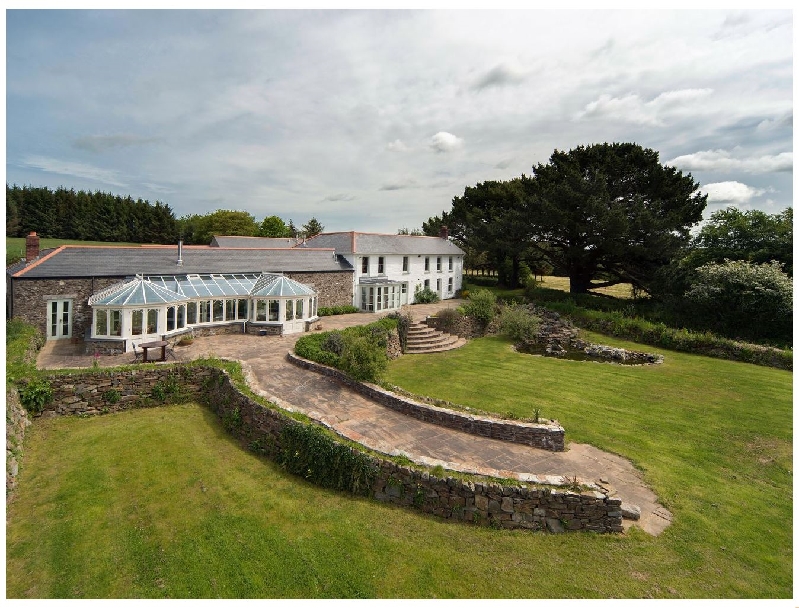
368 243
250 242
73 261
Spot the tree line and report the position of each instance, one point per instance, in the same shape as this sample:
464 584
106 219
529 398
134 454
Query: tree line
101 216
87 216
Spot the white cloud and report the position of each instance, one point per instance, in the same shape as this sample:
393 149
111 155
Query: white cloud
633 109
396 146
445 142
723 161
731 192
75 169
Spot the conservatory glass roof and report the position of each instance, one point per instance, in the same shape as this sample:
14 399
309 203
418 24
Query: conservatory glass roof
208 285
162 289
137 291
280 286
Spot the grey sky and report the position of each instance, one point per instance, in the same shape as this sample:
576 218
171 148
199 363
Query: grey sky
374 120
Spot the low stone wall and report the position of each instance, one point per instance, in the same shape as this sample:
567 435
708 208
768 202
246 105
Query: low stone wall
104 391
464 327
544 436
482 502
16 422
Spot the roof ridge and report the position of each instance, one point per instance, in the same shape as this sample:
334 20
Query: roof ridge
39 261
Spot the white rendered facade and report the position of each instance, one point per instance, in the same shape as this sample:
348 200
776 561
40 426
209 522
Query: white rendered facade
390 269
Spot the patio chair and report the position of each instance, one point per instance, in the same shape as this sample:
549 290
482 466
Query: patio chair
170 351
137 354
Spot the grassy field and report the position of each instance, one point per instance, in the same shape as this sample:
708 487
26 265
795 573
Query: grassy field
15 247
622 290
163 503
712 437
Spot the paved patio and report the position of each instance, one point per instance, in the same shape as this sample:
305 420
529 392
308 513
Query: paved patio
355 417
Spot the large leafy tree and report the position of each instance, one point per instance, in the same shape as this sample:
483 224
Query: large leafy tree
753 236
199 229
493 217
611 212
274 227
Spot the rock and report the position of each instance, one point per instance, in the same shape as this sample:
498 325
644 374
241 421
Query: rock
554 526
630 512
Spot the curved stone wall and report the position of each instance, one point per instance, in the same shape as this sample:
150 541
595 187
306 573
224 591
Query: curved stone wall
543 436
477 500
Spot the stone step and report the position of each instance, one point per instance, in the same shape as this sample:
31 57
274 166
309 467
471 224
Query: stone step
429 339
437 349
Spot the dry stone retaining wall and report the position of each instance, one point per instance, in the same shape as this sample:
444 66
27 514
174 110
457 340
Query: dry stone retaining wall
483 501
544 436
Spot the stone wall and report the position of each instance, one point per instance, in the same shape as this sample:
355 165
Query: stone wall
482 501
104 391
333 288
16 422
464 327
544 436
30 297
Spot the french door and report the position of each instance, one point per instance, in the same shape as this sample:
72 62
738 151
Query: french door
59 319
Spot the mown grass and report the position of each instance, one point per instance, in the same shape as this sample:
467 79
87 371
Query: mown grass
712 437
622 290
162 503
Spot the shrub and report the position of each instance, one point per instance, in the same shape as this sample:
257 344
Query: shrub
738 298
111 396
482 306
363 358
518 323
36 395
311 453
425 296
327 311
334 342
404 320
309 346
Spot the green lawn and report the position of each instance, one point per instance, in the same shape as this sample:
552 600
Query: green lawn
162 502
712 437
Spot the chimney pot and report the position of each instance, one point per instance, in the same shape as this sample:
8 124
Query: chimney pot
31 247
444 233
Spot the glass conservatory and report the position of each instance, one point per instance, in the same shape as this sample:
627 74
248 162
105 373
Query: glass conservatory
155 307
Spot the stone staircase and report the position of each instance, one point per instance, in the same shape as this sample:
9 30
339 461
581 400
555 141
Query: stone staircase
424 339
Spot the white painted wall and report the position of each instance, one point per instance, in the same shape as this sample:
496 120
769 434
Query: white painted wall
415 276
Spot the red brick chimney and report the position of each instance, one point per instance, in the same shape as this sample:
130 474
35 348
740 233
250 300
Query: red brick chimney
443 233
31 246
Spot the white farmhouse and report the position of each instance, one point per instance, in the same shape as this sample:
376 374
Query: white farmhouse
391 268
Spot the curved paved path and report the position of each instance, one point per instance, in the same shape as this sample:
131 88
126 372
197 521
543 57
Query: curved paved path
384 430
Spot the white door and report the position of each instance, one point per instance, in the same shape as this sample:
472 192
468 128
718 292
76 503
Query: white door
59 319
294 316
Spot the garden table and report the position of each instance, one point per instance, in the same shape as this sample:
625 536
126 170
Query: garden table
145 346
